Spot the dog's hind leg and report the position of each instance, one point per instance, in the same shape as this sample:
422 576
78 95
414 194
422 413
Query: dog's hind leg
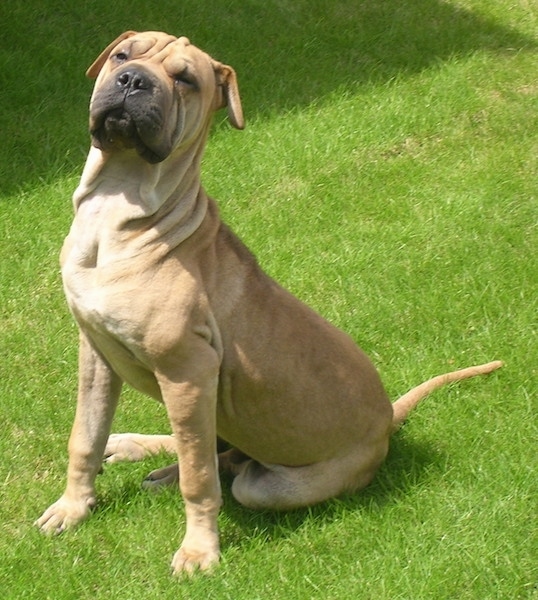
278 487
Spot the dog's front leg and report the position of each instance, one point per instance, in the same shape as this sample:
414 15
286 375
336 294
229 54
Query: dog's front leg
99 389
190 399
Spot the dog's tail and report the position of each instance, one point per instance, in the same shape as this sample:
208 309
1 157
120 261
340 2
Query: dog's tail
404 405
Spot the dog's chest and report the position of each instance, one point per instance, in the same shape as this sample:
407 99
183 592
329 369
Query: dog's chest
102 274
104 299
134 294
127 295
109 292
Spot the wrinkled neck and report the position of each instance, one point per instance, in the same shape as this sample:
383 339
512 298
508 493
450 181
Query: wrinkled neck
127 205
146 188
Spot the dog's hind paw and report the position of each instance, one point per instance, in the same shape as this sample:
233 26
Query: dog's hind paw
136 446
125 447
162 477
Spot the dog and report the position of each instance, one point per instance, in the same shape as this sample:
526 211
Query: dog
169 300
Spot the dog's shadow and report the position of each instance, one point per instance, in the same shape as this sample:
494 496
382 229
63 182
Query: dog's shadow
285 56
409 464
317 50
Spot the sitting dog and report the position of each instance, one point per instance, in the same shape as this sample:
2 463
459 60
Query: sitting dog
170 301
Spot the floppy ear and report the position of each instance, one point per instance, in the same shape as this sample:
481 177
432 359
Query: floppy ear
97 65
229 94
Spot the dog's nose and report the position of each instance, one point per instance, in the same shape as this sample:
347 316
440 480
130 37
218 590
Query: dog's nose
133 81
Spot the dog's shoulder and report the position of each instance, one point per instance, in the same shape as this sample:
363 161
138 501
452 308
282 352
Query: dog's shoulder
229 239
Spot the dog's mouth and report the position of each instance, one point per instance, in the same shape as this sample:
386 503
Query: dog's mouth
117 131
123 128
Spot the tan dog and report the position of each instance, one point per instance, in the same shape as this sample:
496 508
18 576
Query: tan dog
171 302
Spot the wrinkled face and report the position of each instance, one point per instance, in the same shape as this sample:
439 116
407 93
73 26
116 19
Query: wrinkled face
153 93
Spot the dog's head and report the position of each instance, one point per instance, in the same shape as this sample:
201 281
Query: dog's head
155 92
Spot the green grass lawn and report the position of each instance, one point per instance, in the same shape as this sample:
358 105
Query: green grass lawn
388 176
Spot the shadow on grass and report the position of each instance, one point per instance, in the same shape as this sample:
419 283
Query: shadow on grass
409 465
286 54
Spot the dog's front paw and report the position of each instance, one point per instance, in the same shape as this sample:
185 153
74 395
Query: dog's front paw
198 557
124 447
64 514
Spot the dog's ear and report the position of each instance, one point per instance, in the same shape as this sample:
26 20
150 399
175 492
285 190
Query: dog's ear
229 94
97 65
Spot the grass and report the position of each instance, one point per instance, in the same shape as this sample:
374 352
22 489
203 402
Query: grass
387 176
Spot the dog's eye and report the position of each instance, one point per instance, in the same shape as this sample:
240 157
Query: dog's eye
120 57
185 78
